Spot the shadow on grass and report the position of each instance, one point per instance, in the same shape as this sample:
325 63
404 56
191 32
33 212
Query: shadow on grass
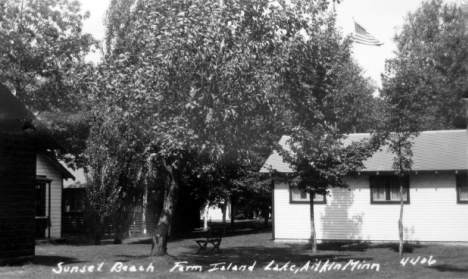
81 239
52 261
364 246
127 258
247 255
449 268
199 235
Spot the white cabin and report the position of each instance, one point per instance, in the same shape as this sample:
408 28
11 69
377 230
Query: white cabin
436 202
49 188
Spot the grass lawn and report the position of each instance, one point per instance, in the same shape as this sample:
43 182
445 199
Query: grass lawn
244 249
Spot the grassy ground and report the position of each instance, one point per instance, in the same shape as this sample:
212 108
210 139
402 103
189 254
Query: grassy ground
243 248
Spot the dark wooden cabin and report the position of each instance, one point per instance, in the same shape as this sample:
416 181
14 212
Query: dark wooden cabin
20 142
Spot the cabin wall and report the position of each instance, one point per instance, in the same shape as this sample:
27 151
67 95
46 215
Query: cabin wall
432 215
17 204
45 167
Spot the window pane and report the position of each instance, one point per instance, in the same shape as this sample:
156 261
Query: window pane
299 195
296 194
463 194
378 194
462 185
395 193
319 198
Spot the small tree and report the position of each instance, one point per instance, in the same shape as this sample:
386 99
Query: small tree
403 119
113 182
320 161
324 97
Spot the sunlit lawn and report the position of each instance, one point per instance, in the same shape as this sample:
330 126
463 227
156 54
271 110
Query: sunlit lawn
244 249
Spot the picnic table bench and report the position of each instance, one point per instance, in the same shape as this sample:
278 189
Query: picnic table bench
214 236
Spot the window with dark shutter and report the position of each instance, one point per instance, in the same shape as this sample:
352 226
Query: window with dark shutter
385 189
300 196
462 188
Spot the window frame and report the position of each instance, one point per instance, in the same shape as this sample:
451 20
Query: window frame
457 187
388 190
304 201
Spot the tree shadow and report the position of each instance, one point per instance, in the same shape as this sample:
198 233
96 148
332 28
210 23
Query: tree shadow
338 223
52 261
247 255
449 268
336 220
199 234
81 239
364 246
127 258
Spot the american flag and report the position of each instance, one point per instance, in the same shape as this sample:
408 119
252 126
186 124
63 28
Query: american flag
362 37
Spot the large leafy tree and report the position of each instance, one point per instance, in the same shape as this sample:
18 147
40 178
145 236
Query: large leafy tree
42 50
432 48
204 83
195 78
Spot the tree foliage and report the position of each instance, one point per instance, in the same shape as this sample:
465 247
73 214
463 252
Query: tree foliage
432 61
324 96
42 50
204 86
424 84
114 181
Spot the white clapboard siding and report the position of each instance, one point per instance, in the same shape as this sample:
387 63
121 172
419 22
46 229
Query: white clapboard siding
432 215
45 167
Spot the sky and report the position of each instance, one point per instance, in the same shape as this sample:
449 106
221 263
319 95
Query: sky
380 18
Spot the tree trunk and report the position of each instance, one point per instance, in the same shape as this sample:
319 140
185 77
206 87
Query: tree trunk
160 237
97 239
97 230
400 221
233 211
224 212
205 216
313 240
266 216
143 208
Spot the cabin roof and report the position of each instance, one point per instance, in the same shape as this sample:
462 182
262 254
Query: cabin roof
12 111
64 171
432 151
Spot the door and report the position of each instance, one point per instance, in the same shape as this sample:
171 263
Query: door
41 219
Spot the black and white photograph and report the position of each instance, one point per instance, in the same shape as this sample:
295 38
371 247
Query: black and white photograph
233 139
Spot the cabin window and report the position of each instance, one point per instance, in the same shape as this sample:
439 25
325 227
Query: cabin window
301 196
385 189
462 188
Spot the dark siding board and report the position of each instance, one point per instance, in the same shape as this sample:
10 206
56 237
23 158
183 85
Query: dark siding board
17 211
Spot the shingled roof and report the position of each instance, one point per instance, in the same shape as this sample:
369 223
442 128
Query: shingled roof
432 151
